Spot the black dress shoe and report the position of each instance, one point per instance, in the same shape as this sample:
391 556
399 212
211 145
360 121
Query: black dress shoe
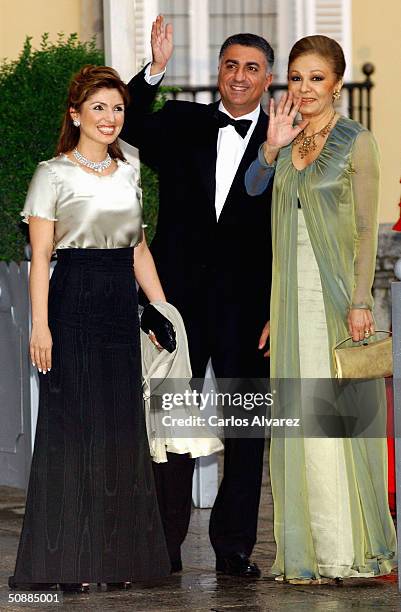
74 587
176 566
237 564
31 586
118 586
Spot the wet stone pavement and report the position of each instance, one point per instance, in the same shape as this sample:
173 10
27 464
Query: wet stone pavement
197 588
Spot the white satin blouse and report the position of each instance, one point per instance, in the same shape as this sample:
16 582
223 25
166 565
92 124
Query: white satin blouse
89 211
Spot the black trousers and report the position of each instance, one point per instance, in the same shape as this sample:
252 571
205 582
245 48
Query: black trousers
233 350
91 512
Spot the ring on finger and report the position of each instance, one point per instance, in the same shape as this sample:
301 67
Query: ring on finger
367 333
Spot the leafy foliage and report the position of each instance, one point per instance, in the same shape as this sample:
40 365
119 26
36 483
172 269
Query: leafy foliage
33 91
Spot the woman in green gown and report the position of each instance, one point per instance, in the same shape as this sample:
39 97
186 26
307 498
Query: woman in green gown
331 515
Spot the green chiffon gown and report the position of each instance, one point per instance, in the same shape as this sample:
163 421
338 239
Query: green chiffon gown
331 515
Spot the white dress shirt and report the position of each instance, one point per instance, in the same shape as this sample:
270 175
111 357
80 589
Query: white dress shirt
230 148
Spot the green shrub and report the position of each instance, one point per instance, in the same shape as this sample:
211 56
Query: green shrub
33 92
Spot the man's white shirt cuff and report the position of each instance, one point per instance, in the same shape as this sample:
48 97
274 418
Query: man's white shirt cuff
153 79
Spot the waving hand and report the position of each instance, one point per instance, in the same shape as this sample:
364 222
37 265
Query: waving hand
281 130
162 44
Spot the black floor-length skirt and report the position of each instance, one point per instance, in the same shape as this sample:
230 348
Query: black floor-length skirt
92 513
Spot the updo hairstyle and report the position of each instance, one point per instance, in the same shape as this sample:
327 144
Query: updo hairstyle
83 85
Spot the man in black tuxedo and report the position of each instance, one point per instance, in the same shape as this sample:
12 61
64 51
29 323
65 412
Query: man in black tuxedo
213 255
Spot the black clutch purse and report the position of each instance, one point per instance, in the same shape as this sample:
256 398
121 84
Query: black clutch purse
153 320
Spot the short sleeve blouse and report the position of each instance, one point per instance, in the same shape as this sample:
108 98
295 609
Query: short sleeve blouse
89 211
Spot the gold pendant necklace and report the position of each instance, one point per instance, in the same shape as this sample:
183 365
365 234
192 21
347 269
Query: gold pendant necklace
308 143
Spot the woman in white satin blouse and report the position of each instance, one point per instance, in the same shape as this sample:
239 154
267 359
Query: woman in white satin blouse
91 513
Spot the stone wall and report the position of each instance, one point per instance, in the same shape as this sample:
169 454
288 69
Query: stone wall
389 251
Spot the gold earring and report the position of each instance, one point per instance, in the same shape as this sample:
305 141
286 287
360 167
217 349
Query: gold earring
336 95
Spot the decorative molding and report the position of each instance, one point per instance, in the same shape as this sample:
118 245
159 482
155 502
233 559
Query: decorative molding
146 12
120 36
199 68
120 48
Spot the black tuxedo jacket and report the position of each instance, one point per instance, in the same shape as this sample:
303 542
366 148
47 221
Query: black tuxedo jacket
203 264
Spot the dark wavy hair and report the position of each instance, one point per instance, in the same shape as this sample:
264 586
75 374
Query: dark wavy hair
85 83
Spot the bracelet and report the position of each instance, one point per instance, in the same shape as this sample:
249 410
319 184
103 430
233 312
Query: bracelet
361 306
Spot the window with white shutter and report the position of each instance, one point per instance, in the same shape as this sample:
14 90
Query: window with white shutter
145 13
177 12
140 32
333 18
227 17
298 18
200 27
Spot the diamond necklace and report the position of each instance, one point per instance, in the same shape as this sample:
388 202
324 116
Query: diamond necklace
308 143
96 166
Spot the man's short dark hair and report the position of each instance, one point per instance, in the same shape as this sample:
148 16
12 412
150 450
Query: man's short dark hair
250 40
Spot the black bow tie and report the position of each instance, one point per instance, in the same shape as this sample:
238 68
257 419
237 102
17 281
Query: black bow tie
241 126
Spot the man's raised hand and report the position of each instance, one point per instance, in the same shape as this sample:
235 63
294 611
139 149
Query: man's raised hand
162 44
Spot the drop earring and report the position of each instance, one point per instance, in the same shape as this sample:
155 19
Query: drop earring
336 95
76 122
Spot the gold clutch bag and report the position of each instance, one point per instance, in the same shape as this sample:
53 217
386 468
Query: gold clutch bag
367 360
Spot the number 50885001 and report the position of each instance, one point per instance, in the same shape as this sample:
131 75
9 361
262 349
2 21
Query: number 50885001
34 598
